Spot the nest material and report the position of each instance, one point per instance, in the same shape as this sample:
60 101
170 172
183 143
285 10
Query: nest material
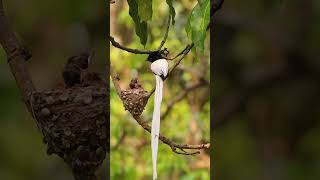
75 126
135 98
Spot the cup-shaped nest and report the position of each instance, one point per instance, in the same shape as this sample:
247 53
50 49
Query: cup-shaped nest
75 126
135 98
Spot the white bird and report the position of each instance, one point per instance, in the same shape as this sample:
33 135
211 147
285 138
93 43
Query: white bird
159 66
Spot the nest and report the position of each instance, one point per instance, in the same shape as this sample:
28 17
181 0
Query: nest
75 126
135 98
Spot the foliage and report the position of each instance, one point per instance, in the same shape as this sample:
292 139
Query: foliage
145 9
141 25
141 12
171 10
186 123
198 22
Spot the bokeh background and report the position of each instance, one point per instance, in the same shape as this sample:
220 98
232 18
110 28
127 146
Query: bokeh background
189 119
53 31
266 90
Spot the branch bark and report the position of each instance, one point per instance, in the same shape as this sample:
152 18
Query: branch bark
130 50
138 51
17 56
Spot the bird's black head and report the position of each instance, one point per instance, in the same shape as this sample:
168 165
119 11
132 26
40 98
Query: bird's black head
81 60
154 56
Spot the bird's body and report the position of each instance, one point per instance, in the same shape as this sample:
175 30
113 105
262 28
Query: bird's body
73 68
159 66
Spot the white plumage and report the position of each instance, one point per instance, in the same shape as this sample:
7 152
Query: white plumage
160 69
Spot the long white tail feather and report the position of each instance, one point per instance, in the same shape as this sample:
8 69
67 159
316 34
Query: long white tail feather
155 128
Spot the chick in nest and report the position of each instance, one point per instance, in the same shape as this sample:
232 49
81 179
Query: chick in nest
74 67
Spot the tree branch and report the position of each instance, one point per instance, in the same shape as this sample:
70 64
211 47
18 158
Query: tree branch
115 79
165 35
138 51
174 146
130 50
181 96
121 139
17 56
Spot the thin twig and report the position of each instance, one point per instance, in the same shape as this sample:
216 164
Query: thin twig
185 52
179 53
174 146
115 79
134 51
121 139
181 96
165 35
138 51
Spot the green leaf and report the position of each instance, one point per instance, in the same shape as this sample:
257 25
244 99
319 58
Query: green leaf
197 23
140 26
171 11
201 2
145 9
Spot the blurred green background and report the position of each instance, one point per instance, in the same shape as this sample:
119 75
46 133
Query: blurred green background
189 119
266 90
53 31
